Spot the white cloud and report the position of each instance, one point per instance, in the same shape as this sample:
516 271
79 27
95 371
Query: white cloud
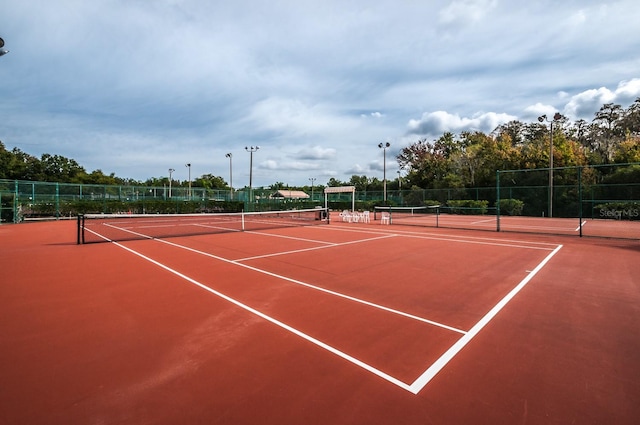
269 165
372 115
296 117
465 12
138 87
316 152
583 105
356 169
578 18
436 123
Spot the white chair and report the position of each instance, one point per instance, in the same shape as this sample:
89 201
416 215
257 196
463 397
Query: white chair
366 217
385 218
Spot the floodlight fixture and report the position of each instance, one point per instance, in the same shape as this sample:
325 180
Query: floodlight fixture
2 51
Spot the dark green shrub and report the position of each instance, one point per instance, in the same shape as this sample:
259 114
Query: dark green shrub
511 206
467 207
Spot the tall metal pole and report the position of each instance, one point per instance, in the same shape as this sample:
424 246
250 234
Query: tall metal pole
556 117
312 179
229 155
384 147
551 169
251 150
189 167
171 170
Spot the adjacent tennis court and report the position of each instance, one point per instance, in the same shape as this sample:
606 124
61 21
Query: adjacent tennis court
288 319
471 219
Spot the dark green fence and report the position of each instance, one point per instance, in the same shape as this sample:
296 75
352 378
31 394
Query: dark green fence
601 200
595 200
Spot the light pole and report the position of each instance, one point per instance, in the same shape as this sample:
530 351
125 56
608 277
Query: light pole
556 117
229 155
2 51
312 179
189 167
384 147
251 150
171 170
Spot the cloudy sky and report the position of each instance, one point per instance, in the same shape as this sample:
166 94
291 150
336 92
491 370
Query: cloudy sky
135 87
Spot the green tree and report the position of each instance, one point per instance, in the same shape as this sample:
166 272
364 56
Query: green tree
333 182
209 181
19 165
58 168
513 130
361 183
98 177
627 151
630 122
609 133
484 154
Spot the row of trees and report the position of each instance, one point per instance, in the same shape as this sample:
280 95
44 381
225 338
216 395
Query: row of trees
469 159
472 158
18 165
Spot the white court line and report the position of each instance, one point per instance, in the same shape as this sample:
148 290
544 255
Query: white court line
276 322
439 364
581 225
445 237
484 221
308 285
289 237
332 245
424 378
317 288
462 239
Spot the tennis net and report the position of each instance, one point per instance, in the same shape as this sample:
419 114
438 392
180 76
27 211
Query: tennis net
401 213
94 228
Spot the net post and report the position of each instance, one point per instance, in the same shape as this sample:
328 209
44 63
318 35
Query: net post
79 235
242 219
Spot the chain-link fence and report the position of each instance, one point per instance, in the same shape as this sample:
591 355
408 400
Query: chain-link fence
601 200
595 200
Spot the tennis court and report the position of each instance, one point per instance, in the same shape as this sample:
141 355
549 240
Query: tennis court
309 322
437 216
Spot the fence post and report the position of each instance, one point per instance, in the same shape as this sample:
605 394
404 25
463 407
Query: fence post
57 200
497 200
580 199
16 218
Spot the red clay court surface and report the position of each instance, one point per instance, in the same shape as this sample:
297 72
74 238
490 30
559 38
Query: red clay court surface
623 229
340 324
